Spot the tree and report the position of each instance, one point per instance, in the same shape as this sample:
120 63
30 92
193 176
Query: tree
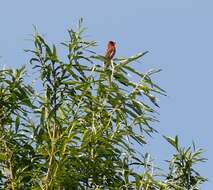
77 129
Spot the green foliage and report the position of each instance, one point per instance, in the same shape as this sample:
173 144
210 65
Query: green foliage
80 129
181 171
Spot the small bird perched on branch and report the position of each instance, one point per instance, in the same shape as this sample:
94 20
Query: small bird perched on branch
110 51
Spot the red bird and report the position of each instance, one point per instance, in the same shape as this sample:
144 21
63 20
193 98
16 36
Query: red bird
111 49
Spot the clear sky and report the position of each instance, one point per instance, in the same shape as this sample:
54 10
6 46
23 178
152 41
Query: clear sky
178 34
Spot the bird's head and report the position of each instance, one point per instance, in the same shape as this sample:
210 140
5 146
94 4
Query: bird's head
111 43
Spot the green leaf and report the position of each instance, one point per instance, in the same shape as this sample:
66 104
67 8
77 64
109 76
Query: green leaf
17 123
131 59
173 141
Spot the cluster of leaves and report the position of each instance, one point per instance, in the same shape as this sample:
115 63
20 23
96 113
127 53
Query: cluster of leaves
80 130
180 166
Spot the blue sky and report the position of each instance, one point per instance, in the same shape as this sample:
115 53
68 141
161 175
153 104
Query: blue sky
178 35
